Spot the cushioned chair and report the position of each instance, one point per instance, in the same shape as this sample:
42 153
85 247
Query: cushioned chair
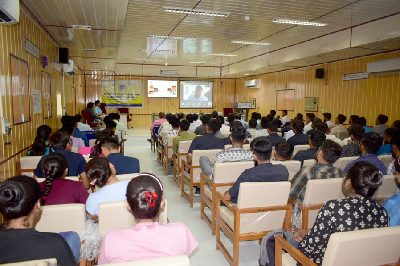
103 108
183 147
253 216
154 137
386 159
92 142
227 111
75 149
284 135
298 148
168 154
165 261
245 146
126 177
367 247
45 262
191 172
61 218
318 192
292 166
115 214
341 163
88 119
225 174
386 190
342 135
27 165
309 162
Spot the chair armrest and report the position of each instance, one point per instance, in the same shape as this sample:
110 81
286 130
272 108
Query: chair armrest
206 179
303 206
291 201
287 207
282 244
232 207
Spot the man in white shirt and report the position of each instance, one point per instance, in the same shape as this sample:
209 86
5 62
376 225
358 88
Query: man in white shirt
120 126
264 128
340 127
197 96
327 119
82 126
224 128
285 118
309 119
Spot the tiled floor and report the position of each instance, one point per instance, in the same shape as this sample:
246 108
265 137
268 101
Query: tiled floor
179 210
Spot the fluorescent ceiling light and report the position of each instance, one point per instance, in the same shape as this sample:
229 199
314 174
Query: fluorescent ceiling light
246 74
222 54
299 22
158 51
152 60
196 62
94 62
259 43
171 37
89 50
81 27
194 12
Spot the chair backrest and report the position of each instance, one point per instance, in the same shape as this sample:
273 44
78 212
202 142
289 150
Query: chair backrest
284 135
245 146
209 153
170 141
300 148
92 142
308 162
75 149
126 177
292 166
115 214
184 146
61 218
229 172
87 117
164 134
182 260
342 135
118 134
387 189
341 163
367 247
155 131
87 159
386 159
45 262
103 108
250 140
322 190
28 164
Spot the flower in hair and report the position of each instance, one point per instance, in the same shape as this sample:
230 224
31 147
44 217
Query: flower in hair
45 198
93 182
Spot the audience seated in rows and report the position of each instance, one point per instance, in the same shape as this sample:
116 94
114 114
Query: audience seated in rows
389 134
315 141
201 130
291 133
264 127
392 204
220 123
272 128
323 127
299 137
309 119
238 117
41 145
181 116
353 119
353 148
56 189
111 127
97 108
264 171
224 128
257 116
252 127
183 134
236 153
61 143
339 124
380 127
174 122
369 146
395 154
20 206
90 152
147 239
90 109
120 126
159 121
75 142
214 114
71 122
166 126
362 121
282 151
285 118
314 124
326 156
327 119
234 124
81 126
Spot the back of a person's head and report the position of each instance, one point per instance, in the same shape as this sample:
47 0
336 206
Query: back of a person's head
180 116
98 171
282 149
96 151
174 121
189 117
272 112
396 124
111 124
382 119
262 148
354 118
264 122
395 142
108 119
184 125
273 125
220 119
144 196
299 116
214 114
341 118
252 123
108 132
205 118
78 117
69 129
327 115
54 166
59 140
115 116
213 126
68 120
238 134
96 102
254 115
331 151
231 118
311 116
298 126
168 117
235 124
392 132
315 121
161 115
362 121
18 197
321 127
372 142
195 116
39 146
365 178
110 144
90 105
317 138
285 111
357 131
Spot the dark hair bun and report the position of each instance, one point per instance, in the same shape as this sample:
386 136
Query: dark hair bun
372 178
10 195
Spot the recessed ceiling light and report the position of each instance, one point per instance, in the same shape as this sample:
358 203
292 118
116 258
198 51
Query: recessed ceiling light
259 43
194 12
246 74
196 62
81 27
299 22
222 54
152 60
171 37
94 62
158 51
89 50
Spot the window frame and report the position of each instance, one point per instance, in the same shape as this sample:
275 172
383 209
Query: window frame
50 109
12 90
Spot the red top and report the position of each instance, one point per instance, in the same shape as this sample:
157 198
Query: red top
65 191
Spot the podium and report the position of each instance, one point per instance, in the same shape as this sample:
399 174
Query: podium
242 109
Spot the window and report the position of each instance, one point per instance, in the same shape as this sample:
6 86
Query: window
285 100
20 91
46 95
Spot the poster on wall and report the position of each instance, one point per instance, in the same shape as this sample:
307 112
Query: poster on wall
122 93
37 101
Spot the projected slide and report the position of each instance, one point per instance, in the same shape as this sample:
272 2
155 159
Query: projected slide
162 88
196 94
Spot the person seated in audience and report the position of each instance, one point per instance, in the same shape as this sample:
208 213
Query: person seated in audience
159 121
244 123
264 128
299 116
236 153
273 113
395 154
234 124
90 109
95 151
396 124
230 119
343 215
309 119
102 174
70 121
282 151
285 118
56 189
120 126
224 128
299 137
314 123
61 143
166 126
214 114
148 238
327 119
353 119
192 127
183 134
369 146
272 128
252 127
41 144
323 127
174 121
19 241
97 108
353 149
196 119
362 121
315 141
219 134
264 171
181 116
110 129
326 156
380 127
75 142
386 149
290 133
201 130
256 116
339 127
392 204
81 126
122 164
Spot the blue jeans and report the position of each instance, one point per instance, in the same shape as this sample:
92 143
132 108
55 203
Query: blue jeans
73 241
295 244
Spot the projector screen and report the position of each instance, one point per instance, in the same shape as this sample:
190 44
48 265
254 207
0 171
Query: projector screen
196 94
162 88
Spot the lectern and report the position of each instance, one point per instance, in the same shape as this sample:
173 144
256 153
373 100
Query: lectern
242 109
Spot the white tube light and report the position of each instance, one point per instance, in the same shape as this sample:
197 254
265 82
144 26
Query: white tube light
299 22
259 43
222 54
171 37
158 51
194 12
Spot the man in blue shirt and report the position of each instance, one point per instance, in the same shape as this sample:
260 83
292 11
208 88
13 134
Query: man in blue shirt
315 141
369 146
363 121
273 132
122 164
299 137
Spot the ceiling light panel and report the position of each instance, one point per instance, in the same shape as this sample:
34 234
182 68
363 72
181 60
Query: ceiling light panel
151 60
94 62
158 51
81 27
259 43
195 12
171 37
196 62
89 50
222 54
299 22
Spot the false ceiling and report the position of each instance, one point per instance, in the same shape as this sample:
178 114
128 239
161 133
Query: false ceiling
120 28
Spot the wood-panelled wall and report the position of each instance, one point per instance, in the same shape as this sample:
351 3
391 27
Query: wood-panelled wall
366 97
223 96
12 43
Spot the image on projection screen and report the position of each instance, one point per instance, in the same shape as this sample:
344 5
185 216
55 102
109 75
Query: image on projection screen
162 88
196 94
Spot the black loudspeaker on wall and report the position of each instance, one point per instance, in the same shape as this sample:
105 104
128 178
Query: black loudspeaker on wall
319 73
63 55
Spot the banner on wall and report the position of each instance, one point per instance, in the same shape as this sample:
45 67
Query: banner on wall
122 93
37 101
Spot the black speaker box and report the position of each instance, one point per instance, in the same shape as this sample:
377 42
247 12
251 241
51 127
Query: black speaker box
319 73
63 55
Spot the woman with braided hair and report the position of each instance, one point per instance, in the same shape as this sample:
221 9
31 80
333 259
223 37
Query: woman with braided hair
56 189
41 145
147 238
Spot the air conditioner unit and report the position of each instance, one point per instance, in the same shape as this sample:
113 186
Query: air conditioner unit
254 83
384 67
69 68
9 12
